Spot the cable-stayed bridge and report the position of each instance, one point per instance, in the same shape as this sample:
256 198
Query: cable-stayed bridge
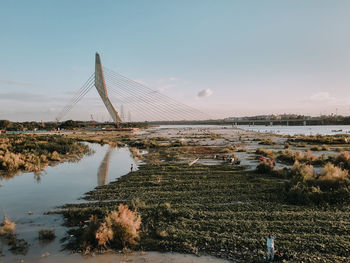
138 100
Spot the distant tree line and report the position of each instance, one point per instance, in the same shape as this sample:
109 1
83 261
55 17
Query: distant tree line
7 125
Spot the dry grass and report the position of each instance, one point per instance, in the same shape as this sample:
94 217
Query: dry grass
333 173
54 156
121 227
104 234
7 227
266 166
289 156
320 148
266 152
343 160
304 172
135 153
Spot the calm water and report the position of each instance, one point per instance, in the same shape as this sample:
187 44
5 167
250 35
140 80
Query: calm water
285 130
64 183
293 130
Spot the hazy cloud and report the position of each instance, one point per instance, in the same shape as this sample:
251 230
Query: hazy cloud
21 96
165 87
205 93
322 97
15 82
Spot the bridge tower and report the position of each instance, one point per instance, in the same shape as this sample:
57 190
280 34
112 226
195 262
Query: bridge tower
100 85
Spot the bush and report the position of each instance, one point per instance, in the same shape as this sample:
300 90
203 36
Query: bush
7 227
266 152
121 228
322 139
88 237
303 172
308 157
331 186
333 173
320 148
47 234
343 160
55 156
265 166
267 142
11 162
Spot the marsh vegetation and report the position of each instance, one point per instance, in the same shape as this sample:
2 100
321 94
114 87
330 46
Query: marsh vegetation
224 210
35 152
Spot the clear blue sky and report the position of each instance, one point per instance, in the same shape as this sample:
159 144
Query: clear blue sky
247 57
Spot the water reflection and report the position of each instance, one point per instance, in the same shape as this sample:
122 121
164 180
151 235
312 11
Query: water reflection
102 173
25 201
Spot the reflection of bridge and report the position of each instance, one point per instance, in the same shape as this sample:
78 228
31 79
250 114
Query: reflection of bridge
141 102
102 173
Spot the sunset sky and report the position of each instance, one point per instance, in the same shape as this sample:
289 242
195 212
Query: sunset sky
228 58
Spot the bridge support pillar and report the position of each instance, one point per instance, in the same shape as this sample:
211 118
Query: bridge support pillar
102 90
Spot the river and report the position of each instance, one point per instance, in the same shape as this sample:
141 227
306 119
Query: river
277 129
25 198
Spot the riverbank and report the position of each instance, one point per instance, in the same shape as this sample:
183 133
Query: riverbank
214 207
33 153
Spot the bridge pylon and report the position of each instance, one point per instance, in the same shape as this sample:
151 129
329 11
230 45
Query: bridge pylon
100 85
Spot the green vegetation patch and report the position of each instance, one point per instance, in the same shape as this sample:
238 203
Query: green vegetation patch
217 210
322 139
35 152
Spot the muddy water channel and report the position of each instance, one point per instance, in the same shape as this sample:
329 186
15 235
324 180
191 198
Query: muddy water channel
25 198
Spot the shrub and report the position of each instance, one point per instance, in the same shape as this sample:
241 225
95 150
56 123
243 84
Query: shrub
266 152
343 160
135 152
242 150
331 186
11 162
265 166
104 234
88 237
178 143
286 155
267 142
333 173
320 148
121 228
303 172
7 227
47 234
289 156
229 149
55 156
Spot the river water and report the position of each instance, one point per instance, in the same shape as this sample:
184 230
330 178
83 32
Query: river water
293 130
277 129
25 198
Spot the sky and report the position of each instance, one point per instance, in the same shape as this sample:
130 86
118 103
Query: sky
223 57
